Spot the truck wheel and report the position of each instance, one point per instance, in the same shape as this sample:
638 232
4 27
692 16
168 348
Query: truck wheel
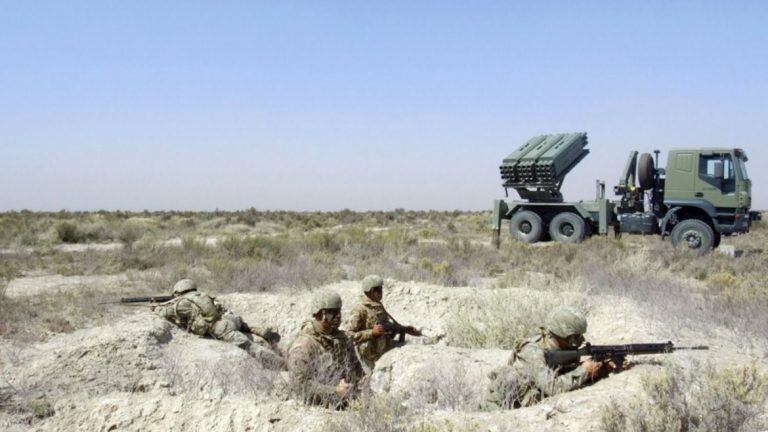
645 171
567 227
526 226
693 234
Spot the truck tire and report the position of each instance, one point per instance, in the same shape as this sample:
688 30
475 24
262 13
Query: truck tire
693 234
526 226
568 227
645 170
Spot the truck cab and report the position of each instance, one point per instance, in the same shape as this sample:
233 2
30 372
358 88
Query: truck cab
711 184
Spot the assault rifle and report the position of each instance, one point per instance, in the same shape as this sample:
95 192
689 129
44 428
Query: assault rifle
615 353
142 299
394 329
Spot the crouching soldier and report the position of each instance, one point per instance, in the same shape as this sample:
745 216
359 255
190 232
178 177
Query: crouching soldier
372 328
200 313
322 362
528 377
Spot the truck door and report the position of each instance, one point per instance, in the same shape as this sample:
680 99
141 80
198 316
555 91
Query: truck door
681 170
720 191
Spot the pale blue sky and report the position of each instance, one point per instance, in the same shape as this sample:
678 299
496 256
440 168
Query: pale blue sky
364 105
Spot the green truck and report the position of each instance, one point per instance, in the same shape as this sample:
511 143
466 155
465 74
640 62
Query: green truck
702 195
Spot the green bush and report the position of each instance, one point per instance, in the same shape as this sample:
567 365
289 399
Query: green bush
69 232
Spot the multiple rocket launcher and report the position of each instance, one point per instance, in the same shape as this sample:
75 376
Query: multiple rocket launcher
543 161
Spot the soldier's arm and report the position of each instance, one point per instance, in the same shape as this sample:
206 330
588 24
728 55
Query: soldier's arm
357 326
179 310
571 380
530 361
167 310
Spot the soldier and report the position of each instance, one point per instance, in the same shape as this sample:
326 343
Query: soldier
371 326
322 361
201 314
527 378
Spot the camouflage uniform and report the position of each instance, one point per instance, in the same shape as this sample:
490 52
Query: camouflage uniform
201 314
363 317
527 378
318 361
322 356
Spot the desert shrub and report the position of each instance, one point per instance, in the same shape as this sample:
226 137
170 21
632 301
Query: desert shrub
69 232
257 247
490 321
40 408
130 233
700 399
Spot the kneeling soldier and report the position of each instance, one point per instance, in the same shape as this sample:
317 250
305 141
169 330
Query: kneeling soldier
322 361
372 328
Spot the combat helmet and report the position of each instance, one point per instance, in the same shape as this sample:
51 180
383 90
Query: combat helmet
325 300
184 285
564 322
370 282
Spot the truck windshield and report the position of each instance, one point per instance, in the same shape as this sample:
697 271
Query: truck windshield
742 169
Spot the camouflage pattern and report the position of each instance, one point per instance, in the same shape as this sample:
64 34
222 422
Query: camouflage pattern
527 378
565 321
360 327
201 314
317 362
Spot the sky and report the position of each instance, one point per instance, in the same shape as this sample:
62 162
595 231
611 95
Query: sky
324 105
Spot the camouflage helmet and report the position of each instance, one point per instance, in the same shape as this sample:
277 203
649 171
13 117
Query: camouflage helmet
184 285
370 282
565 321
325 300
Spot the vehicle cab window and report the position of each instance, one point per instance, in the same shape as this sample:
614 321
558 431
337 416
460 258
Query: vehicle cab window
707 171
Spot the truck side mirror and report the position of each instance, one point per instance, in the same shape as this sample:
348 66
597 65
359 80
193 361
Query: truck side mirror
719 170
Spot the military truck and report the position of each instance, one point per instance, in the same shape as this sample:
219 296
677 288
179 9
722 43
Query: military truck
702 195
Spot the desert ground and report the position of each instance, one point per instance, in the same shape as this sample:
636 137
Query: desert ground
73 361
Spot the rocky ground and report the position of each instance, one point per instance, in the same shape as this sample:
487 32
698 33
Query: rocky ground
138 372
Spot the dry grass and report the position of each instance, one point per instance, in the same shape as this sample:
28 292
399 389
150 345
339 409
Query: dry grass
505 317
700 399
